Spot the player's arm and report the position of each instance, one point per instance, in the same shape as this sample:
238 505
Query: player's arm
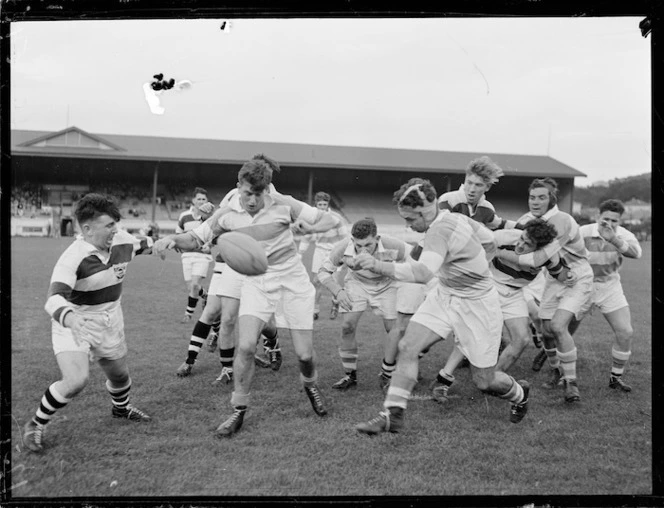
329 267
626 243
58 304
421 271
536 258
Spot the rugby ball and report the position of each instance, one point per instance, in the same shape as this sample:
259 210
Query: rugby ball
242 253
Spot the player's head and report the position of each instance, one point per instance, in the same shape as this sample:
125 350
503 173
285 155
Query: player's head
364 234
97 216
610 212
542 195
199 197
253 182
274 165
536 234
322 201
417 204
481 174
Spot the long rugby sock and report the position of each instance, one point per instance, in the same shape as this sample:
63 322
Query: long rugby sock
51 401
552 357
270 341
197 340
191 305
216 324
620 359
308 374
388 368
226 357
119 395
514 394
568 364
399 391
348 359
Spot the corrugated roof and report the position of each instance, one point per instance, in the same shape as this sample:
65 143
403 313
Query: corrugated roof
288 154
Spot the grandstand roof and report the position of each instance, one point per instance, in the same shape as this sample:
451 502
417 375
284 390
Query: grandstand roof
75 142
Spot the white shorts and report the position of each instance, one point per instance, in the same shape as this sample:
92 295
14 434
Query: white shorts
534 290
228 283
410 295
320 255
607 297
512 302
575 299
195 266
477 324
103 336
383 303
288 293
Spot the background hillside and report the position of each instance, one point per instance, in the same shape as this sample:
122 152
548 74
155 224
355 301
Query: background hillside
624 189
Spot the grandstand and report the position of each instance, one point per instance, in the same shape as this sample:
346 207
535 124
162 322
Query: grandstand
153 177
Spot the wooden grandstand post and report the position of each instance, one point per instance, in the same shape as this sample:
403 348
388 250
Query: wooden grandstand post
154 191
310 187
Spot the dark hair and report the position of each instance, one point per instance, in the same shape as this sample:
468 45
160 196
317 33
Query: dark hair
199 190
540 232
257 173
95 205
413 199
612 205
321 196
364 228
548 183
274 165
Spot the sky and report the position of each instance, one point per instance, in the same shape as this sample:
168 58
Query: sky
576 89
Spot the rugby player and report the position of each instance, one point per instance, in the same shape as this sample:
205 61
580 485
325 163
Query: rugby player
362 289
465 302
84 302
267 218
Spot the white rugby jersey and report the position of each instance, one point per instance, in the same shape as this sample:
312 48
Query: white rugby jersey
568 243
270 226
343 252
604 257
187 221
326 240
87 279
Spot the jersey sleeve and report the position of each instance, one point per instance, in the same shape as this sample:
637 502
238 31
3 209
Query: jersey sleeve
63 280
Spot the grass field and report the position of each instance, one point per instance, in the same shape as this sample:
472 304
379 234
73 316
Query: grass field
600 446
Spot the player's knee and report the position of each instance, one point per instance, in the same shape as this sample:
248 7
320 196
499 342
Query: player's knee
482 383
228 322
408 349
348 328
246 350
558 327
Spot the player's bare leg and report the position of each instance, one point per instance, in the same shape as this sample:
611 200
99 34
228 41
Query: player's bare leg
566 352
199 335
304 350
519 335
227 337
250 328
348 350
621 322
391 348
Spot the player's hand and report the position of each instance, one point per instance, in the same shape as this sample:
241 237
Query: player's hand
206 248
78 325
567 277
206 210
302 227
162 245
364 261
606 230
344 300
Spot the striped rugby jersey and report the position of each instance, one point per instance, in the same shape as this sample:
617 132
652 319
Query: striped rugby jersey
343 252
325 241
85 278
270 226
568 243
462 245
186 222
508 273
483 211
604 257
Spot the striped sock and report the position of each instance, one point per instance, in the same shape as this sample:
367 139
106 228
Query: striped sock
620 359
51 401
226 357
514 394
388 368
348 359
399 391
119 395
216 324
196 341
270 342
191 305
568 364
